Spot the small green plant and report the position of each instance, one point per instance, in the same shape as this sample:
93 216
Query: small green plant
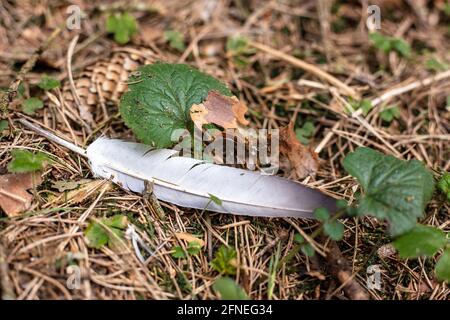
305 132
193 248
333 228
239 50
31 105
123 25
48 83
224 261
390 113
175 40
25 161
435 65
228 289
364 104
106 231
3 126
387 44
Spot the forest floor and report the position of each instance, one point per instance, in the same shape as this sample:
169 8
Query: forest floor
39 248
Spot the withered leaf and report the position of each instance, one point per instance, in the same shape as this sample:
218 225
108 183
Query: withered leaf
14 195
303 159
189 238
226 112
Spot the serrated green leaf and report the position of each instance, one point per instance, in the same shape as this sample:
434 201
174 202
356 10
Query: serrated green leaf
444 184
48 83
122 25
395 190
442 267
322 214
30 105
25 161
175 39
387 44
98 235
159 100
334 229
420 241
228 289
224 260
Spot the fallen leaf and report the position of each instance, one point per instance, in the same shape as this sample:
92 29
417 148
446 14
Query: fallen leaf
86 190
189 238
386 251
69 185
14 197
303 159
226 112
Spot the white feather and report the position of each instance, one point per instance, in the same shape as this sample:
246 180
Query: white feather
190 183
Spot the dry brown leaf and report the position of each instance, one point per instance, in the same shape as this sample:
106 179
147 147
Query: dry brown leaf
86 190
303 159
226 112
189 238
14 197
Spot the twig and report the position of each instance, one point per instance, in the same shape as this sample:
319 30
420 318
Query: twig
9 95
409 87
6 287
345 89
341 270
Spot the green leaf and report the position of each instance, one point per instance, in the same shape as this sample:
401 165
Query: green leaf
98 235
322 214
334 229
30 105
160 97
435 65
178 253
228 289
444 184
3 125
225 260
380 42
25 161
175 39
237 45
215 199
387 44
305 132
389 113
395 190
48 83
366 106
307 249
194 247
420 241
442 267
122 25
401 46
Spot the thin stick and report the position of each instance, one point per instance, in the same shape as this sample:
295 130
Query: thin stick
54 138
307 67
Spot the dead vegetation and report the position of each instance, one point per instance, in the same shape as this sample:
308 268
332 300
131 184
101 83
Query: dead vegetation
307 58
